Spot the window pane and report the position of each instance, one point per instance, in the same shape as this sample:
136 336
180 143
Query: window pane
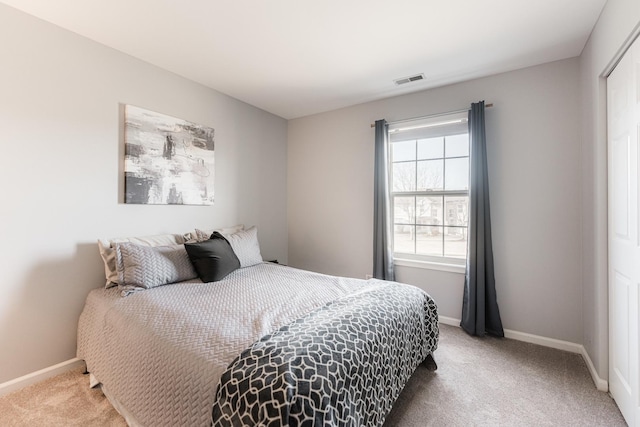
401 151
456 210
404 176
429 210
457 145
457 174
430 175
455 242
433 223
404 210
403 239
429 240
432 148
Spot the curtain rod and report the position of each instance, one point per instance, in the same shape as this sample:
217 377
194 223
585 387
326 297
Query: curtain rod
431 115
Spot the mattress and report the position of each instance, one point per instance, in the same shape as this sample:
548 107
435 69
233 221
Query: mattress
161 353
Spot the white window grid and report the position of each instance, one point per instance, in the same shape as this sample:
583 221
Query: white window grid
426 193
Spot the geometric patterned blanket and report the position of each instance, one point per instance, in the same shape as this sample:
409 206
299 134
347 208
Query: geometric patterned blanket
343 364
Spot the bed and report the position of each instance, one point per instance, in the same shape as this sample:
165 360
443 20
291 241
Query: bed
266 345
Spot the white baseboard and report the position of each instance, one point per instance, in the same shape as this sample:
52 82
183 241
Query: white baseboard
600 384
543 341
449 321
41 375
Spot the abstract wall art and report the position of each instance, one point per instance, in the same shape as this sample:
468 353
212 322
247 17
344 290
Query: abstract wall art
168 161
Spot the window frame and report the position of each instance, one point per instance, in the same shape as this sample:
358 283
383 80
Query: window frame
443 263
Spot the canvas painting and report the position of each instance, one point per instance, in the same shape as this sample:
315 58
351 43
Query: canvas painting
168 161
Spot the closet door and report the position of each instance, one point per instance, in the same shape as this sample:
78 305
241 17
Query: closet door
623 110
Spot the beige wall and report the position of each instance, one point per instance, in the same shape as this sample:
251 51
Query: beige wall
59 177
534 161
618 23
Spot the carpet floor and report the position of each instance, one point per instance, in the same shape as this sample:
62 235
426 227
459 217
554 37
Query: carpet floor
479 381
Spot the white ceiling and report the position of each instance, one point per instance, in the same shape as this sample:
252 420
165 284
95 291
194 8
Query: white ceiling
299 57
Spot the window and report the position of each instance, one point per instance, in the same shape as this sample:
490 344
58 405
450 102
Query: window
429 175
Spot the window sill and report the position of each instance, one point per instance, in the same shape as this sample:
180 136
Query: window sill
430 265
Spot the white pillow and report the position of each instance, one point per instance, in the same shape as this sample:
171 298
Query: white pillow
246 247
108 250
202 235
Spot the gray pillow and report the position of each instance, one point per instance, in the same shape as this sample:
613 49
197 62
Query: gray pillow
246 247
144 267
108 250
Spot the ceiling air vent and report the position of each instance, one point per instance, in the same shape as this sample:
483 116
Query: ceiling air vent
410 79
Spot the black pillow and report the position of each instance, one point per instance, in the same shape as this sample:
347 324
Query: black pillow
213 259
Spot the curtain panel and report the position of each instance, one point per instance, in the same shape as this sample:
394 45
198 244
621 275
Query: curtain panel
480 312
382 244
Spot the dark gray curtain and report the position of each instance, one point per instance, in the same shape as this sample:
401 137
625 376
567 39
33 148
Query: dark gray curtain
480 313
382 250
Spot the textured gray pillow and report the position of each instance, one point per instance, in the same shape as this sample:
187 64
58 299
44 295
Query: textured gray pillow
246 247
108 250
144 267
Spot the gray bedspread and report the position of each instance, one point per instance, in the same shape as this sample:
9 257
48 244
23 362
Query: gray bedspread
161 352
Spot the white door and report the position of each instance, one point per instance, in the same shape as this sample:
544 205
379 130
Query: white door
623 110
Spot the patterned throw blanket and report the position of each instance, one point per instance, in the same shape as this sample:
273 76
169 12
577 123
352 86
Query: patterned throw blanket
341 365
